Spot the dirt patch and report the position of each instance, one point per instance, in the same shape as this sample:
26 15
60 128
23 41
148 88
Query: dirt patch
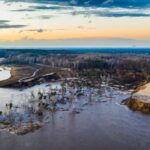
17 72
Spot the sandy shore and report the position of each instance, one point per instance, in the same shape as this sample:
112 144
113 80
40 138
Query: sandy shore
140 100
143 94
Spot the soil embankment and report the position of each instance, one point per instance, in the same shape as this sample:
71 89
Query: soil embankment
140 100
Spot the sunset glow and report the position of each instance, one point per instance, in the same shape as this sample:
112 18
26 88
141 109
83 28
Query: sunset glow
47 22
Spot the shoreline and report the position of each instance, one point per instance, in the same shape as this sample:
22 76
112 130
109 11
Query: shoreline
5 73
61 99
23 76
140 99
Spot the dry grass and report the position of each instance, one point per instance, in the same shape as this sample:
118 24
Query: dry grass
21 71
17 72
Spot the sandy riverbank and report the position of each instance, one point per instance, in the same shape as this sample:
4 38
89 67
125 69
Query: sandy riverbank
140 100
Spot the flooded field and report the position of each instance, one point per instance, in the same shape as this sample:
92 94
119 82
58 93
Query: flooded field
27 110
4 73
93 120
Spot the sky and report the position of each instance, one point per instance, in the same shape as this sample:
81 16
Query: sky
75 23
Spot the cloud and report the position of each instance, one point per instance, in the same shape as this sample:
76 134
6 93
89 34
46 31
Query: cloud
74 2
107 4
43 7
34 30
141 5
4 25
80 27
45 17
26 10
8 26
107 13
39 30
3 21
93 3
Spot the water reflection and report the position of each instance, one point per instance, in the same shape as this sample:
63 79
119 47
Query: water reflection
100 125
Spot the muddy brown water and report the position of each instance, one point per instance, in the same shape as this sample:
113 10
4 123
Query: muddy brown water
102 126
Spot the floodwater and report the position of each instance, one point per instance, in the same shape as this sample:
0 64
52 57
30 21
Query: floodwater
100 126
4 73
21 97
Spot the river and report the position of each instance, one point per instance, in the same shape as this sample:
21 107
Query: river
101 126
4 73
